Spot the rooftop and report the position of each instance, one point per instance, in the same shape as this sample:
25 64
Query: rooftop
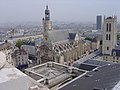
9 74
91 64
56 36
52 74
103 78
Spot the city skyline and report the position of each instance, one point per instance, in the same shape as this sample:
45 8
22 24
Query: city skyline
63 10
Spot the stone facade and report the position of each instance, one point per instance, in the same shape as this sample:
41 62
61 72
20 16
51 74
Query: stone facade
19 57
110 49
109 35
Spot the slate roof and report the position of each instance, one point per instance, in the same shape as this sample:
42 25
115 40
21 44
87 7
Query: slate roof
91 64
72 36
97 62
87 67
61 35
104 78
58 35
117 52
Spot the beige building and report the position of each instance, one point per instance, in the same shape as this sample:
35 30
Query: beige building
19 57
61 46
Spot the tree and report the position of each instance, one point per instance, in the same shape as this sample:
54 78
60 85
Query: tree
89 38
118 36
19 43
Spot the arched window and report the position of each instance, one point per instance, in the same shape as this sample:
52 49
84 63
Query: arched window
107 48
110 27
107 27
106 36
109 37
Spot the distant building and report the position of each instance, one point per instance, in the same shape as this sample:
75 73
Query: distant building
99 23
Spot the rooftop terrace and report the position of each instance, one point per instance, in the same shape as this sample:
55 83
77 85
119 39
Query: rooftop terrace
52 74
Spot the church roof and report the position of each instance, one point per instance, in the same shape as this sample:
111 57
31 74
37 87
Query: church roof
61 35
72 36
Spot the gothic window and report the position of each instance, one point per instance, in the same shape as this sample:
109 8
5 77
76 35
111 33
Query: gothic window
109 37
107 27
107 48
110 27
106 36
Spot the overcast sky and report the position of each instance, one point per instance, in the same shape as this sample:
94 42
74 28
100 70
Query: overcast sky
61 10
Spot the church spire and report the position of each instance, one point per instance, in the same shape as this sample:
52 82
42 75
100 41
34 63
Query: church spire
47 7
47 13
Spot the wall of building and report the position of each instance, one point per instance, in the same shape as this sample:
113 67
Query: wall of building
64 53
111 58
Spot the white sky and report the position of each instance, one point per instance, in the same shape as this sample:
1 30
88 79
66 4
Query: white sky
61 10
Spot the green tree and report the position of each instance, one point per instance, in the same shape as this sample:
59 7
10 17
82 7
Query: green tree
19 43
118 36
89 38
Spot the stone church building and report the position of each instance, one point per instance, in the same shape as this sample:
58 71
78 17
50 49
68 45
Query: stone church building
61 46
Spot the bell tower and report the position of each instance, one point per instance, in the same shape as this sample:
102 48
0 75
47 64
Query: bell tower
47 24
109 35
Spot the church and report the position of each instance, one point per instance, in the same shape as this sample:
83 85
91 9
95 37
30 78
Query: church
61 46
